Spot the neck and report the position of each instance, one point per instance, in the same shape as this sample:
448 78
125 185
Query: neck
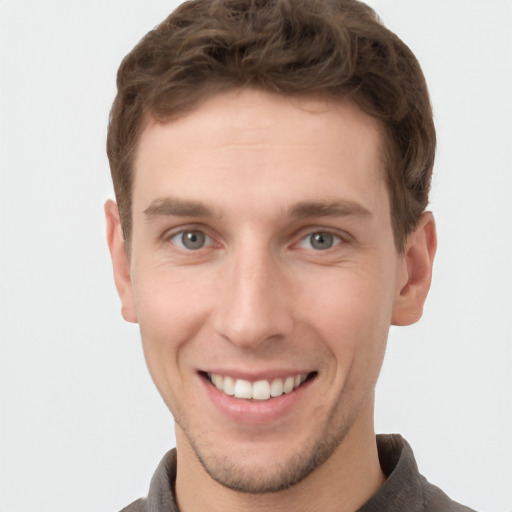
342 484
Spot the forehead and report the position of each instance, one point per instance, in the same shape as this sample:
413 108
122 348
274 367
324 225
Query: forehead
259 144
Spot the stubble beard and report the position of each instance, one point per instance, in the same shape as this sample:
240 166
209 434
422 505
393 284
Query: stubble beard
238 477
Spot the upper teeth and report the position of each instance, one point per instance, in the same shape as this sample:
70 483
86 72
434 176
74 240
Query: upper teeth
259 390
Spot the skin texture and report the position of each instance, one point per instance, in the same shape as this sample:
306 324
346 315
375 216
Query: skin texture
258 174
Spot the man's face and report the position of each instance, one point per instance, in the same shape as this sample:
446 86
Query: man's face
263 259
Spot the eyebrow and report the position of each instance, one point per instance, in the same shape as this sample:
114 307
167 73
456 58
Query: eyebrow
170 206
177 207
337 208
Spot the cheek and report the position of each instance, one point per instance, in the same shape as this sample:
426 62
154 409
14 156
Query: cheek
353 316
170 301
351 302
171 310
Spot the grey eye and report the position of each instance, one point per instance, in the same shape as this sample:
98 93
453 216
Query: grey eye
191 240
321 240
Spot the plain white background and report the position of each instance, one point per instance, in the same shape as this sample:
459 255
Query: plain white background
82 427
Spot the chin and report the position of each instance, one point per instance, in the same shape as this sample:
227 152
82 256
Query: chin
255 472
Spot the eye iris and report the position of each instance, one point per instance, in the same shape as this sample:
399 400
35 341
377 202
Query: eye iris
193 239
321 241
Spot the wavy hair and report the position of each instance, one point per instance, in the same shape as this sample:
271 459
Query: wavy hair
333 48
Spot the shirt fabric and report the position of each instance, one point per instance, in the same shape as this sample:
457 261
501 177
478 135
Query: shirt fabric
405 489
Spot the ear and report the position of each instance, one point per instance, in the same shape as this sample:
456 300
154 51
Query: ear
120 261
418 259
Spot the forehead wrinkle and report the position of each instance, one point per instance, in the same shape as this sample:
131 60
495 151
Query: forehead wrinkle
171 206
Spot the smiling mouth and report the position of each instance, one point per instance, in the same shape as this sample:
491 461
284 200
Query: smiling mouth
260 390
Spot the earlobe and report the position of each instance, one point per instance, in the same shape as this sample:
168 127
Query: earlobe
418 260
120 261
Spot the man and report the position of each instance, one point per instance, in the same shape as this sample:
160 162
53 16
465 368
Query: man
272 161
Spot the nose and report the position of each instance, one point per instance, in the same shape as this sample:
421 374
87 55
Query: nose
253 305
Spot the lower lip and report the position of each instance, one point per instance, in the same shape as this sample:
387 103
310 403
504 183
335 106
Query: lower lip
254 411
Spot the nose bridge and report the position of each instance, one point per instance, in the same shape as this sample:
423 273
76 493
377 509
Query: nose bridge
252 305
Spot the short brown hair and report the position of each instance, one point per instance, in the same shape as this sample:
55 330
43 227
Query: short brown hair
335 48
